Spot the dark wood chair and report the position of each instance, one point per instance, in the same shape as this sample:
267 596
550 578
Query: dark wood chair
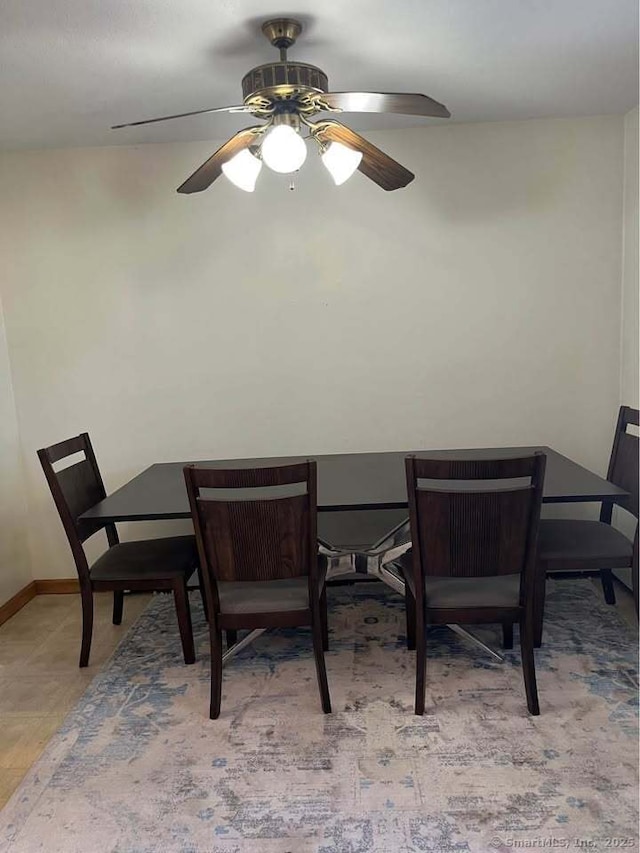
146 565
583 547
473 554
258 552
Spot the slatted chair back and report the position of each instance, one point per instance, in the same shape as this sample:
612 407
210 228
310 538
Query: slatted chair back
261 535
75 489
623 464
474 518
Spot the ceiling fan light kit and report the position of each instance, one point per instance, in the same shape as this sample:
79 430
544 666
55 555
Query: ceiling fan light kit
243 170
341 162
283 149
286 95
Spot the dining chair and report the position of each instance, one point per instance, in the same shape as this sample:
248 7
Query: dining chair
256 531
474 526
584 547
143 565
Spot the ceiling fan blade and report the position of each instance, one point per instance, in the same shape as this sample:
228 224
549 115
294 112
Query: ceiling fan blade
386 102
375 164
211 169
237 109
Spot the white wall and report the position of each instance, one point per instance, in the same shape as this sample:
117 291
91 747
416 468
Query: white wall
479 306
629 380
15 567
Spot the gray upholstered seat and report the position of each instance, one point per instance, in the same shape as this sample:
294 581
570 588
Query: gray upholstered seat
496 591
577 541
264 597
147 558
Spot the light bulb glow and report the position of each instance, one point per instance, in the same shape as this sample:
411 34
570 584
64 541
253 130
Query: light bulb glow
341 161
243 170
283 150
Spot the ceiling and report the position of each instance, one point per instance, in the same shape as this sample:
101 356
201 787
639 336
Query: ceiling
69 69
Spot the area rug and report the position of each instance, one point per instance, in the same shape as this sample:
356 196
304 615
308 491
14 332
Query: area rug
139 768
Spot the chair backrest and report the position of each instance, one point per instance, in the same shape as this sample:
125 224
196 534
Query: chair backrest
75 489
474 518
266 534
623 464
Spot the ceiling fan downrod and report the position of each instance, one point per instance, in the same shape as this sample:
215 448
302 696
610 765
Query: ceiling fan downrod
282 33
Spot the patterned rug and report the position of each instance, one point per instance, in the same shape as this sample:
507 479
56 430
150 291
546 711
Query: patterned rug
138 766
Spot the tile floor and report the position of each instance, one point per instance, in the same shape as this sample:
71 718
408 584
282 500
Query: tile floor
39 676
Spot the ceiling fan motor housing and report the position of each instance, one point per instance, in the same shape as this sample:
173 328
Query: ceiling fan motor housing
283 80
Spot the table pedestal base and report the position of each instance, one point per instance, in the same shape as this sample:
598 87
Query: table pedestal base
232 651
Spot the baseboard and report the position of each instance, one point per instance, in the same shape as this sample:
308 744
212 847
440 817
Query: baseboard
46 586
17 602
57 586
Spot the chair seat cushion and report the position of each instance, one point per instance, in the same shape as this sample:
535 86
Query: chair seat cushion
264 596
147 559
496 591
444 592
575 541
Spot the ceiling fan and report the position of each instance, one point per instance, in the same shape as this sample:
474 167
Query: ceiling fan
286 95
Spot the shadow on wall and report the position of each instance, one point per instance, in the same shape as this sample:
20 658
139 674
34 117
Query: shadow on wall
147 176
474 176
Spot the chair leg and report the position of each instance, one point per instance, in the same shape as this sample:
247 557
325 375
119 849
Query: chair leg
87 625
181 598
318 653
324 622
203 594
410 616
215 639
507 635
538 606
118 601
421 659
528 665
232 637
606 577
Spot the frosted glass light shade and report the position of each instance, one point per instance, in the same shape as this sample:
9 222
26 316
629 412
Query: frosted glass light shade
341 161
283 150
243 170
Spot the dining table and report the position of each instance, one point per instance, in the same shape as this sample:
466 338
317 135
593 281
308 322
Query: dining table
362 504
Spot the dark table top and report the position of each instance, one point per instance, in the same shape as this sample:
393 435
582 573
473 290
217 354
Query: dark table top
346 481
